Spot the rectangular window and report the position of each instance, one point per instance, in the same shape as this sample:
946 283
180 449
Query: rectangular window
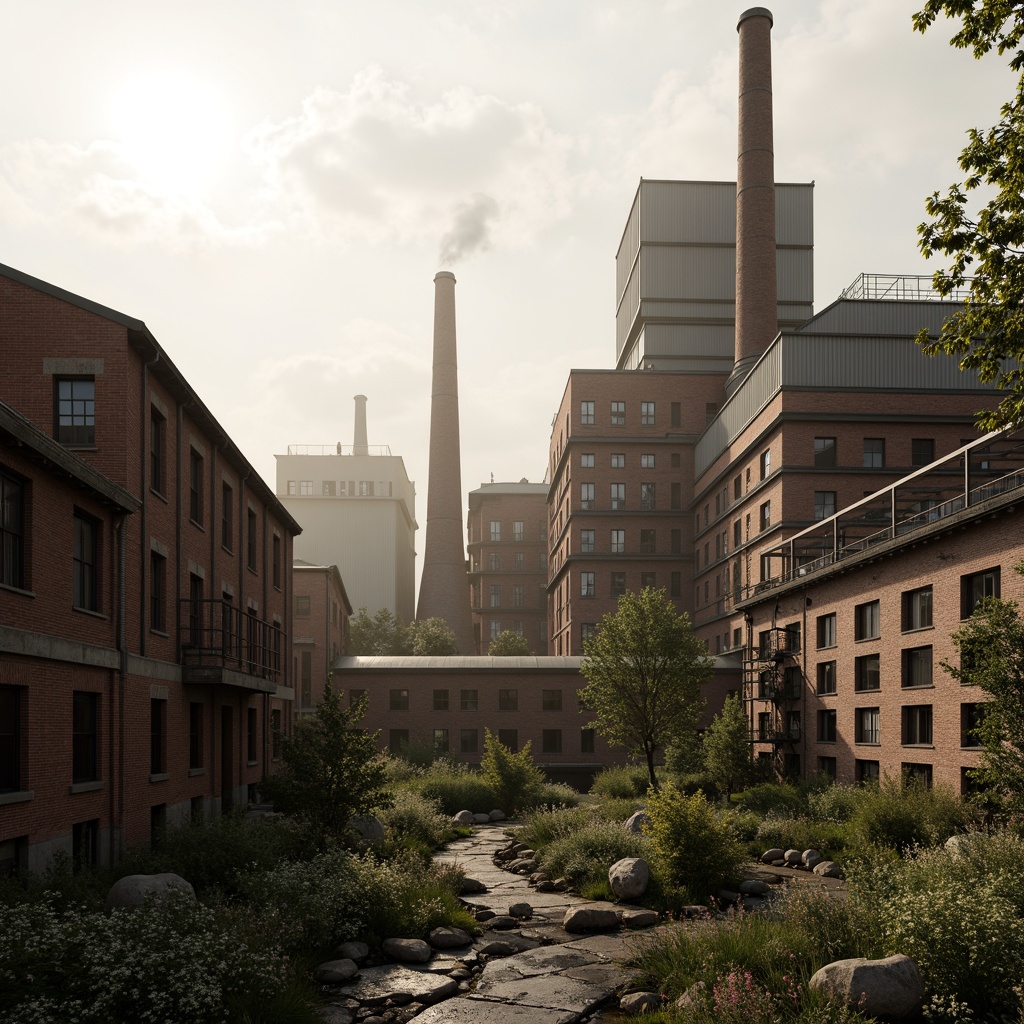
157 450
647 462
827 767
587 630
618 495
586 741
586 496
765 463
85 585
917 725
765 518
917 609
306 487
867 621
676 496
468 741
865 672
824 504
440 700
551 700
551 741
12 531
227 504
618 542
518 531
587 413
518 561
647 497
251 736
157 592
917 666
495 595
85 737
675 541
971 716
495 530
302 606
10 739
826 677
85 844
250 541
922 451
824 452
587 541
917 774
356 696
676 585
618 414
865 771
467 700
874 452
587 461
975 588
76 412
329 489
827 726
586 584
865 725
275 560
647 414
494 562
618 461
441 741
508 700
399 700
618 584
195 735
764 727
398 741
648 543
306 679
649 581
195 487
509 738
275 729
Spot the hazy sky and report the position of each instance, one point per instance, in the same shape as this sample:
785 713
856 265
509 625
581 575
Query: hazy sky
271 186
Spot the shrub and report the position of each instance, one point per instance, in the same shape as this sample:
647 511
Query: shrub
512 776
543 826
557 794
889 815
415 821
829 838
458 788
164 963
621 782
833 803
696 849
778 798
584 854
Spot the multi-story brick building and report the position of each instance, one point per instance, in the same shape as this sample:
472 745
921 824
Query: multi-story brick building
322 613
145 591
508 562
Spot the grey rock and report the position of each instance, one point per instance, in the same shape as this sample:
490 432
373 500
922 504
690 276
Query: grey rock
448 938
481 819
502 922
352 951
498 948
828 869
640 1002
957 845
629 877
460 974
336 1015
890 988
520 910
636 822
131 891
546 885
792 857
485 915
728 897
639 918
496 815
464 818
369 830
407 951
754 887
773 855
468 886
589 919
693 910
810 858
375 986
694 997
523 866
336 972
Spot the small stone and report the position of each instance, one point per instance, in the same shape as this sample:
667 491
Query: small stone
336 1015
497 948
352 951
754 887
407 951
502 922
460 974
520 910
468 886
636 821
634 919
640 1002
448 938
728 897
693 910
336 972
773 855
463 818
485 915
810 858
828 869
496 815
589 919
792 857
561 884
546 886
463 986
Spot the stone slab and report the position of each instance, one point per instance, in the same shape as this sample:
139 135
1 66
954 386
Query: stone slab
476 1011
534 963
576 990
376 985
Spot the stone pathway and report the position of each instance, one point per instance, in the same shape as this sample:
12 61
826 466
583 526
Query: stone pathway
554 978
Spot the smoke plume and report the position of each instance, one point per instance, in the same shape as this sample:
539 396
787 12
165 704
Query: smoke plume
470 230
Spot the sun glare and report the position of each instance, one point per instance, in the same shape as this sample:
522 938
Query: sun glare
174 130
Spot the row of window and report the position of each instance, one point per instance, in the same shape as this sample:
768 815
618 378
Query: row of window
617 541
517 596
617 496
618 460
469 741
617 414
826 452
518 530
468 700
617 583
342 488
494 561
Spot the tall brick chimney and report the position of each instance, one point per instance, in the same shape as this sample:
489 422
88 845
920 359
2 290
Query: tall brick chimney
444 586
756 288
359 446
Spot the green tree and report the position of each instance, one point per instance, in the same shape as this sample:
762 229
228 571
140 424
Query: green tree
991 647
988 333
514 779
508 644
332 771
644 669
431 636
377 634
727 756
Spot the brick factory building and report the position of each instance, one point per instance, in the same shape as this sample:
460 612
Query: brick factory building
145 589
322 613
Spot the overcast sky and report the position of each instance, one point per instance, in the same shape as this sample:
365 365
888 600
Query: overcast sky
272 186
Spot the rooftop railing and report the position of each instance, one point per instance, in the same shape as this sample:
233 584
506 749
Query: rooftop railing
900 286
339 449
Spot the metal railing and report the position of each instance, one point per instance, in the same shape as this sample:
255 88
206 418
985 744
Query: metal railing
905 287
339 449
216 633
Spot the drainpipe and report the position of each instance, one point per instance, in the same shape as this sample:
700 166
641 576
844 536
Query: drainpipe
144 566
117 779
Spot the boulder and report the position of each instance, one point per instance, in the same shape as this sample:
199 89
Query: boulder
828 869
640 1002
589 919
496 815
520 910
890 988
336 972
810 858
468 886
628 878
352 951
497 948
639 918
636 821
407 951
369 830
448 938
131 891
793 858
502 923
336 1014
773 855
481 819
957 845
755 887
464 818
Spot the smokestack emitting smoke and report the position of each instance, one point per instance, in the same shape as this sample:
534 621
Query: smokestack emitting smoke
359 436
756 288
444 586
470 230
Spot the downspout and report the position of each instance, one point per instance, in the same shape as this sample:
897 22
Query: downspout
144 550
117 782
